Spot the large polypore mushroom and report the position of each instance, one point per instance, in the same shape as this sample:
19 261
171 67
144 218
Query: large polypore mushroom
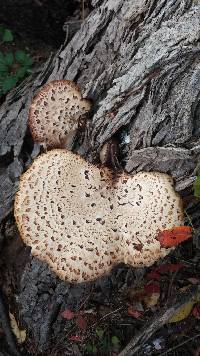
82 220
56 111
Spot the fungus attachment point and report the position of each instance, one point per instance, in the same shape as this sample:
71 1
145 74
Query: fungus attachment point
82 221
56 111
109 155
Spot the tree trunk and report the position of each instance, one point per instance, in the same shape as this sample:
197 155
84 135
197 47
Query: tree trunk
138 61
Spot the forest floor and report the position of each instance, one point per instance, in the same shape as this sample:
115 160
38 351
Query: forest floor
104 323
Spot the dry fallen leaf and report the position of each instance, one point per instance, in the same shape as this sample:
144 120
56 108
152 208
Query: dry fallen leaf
197 351
20 334
169 267
134 313
194 280
185 310
76 338
68 314
81 322
152 288
153 275
182 313
152 299
196 312
173 237
152 294
156 272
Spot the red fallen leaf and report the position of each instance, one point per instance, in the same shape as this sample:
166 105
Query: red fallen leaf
197 351
153 275
152 288
81 322
169 267
135 313
139 296
196 312
164 268
173 237
194 280
76 338
68 314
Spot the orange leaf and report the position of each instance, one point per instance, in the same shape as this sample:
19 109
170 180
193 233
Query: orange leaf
135 313
173 237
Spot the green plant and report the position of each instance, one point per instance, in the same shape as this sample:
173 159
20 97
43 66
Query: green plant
6 34
103 342
91 348
14 66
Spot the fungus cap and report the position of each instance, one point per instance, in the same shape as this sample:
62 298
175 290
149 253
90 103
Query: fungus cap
82 220
55 111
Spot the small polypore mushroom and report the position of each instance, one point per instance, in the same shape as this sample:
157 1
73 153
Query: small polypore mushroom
82 220
56 111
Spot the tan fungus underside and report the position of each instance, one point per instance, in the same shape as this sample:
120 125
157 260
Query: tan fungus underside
82 220
55 111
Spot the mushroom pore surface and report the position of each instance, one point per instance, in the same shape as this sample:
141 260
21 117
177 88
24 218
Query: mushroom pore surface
82 220
55 111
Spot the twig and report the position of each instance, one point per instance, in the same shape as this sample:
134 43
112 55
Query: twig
105 316
39 3
161 319
86 299
190 221
179 345
170 285
83 10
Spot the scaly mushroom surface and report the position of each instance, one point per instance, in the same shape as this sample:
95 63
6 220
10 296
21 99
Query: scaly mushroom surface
83 219
56 111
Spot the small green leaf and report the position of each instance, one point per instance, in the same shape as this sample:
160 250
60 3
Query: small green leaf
20 56
23 58
9 58
3 76
91 349
3 67
8 84
115 341
7 35
99 332
2 28
28 62
197 187
1 57
20 73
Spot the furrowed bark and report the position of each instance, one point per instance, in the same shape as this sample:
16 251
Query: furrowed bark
139 62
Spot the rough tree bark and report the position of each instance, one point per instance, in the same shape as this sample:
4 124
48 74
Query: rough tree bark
139 61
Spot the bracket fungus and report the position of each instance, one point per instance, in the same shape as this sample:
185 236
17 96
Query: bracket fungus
56 111
83 219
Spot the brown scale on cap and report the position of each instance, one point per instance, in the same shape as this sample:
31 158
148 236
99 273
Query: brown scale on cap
73 217
56 111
